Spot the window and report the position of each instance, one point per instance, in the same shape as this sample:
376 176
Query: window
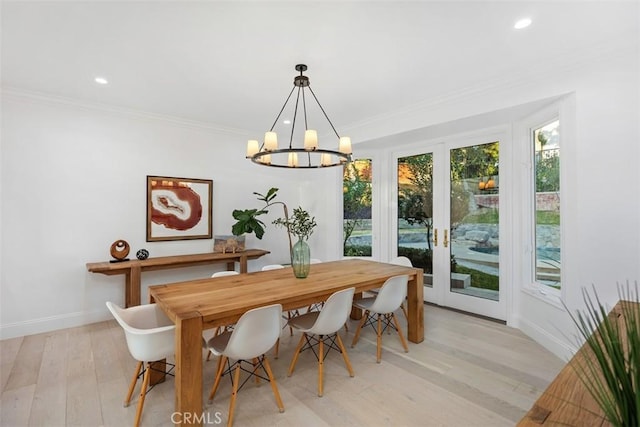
546 146
356 188
415 210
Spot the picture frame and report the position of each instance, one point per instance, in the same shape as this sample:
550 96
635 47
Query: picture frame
178 208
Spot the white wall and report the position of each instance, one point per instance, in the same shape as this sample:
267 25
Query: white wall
74 181
601 191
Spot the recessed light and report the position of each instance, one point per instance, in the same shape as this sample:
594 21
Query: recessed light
522 23
101 80
286 122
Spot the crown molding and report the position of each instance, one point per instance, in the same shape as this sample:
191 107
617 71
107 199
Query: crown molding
48 98
578 61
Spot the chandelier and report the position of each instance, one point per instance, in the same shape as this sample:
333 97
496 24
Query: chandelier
308 155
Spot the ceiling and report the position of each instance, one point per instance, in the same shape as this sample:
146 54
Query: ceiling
231 64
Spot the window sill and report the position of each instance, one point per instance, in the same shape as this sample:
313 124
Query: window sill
545 294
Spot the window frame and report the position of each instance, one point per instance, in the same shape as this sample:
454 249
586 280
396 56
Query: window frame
524 131
375 217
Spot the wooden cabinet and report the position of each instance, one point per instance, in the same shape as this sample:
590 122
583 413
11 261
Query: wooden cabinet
566 401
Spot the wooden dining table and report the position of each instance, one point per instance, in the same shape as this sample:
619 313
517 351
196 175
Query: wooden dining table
201 304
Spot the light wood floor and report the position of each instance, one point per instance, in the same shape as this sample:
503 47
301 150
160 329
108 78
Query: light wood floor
467 372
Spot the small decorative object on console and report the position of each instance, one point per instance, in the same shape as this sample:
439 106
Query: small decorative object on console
120 250
142 254
226 244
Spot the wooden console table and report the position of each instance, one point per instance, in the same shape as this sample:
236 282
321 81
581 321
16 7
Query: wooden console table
132 269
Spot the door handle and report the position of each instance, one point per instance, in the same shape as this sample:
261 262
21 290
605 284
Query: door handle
435 237
446 241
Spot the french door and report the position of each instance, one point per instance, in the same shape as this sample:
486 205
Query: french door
448 222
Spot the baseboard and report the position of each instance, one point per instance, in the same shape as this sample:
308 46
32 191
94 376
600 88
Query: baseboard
560 348
51 323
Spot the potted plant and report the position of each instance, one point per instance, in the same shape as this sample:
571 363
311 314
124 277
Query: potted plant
611 373
247 220
301 225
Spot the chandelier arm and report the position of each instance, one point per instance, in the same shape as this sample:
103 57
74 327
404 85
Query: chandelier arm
304 109
282 109
295 115
323 112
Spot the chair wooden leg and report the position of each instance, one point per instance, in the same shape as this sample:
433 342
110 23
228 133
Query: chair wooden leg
404 342
272 380
344 355
234 393
379 340
365 315
404 310
320 364
134 380
277 351
221 361
292 365
143 393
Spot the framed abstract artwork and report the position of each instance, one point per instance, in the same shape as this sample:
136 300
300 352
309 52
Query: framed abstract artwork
178 208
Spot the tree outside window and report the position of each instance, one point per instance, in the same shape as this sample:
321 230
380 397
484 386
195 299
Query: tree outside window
356 188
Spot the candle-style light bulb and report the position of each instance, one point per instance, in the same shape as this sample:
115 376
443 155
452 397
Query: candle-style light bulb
310 140
252 147
325 159
293 160
345 145
270 141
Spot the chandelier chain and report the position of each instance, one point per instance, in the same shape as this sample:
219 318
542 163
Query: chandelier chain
323 112
282 109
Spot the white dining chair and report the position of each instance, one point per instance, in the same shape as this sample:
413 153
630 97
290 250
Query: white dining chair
321 327
224 273
405 262
254 334
289 313
392 293
150 337
219 329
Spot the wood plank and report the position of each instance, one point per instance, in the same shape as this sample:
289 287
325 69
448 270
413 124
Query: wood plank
15 405
82 387
49 402
27 363
8 352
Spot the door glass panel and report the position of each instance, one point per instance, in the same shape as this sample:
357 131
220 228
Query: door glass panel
356 189
415 212
474 240
547 204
